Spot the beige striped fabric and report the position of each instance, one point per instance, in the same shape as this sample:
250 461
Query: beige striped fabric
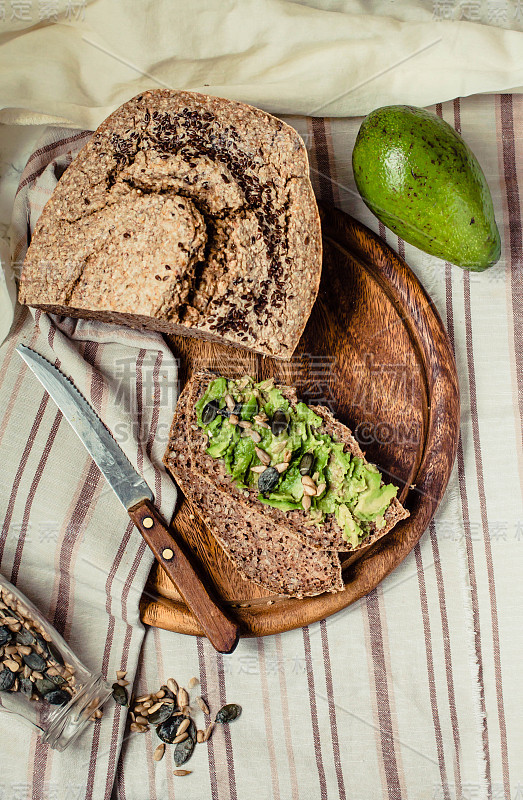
414 691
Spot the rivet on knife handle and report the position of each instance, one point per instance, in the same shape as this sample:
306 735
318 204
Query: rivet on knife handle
222 632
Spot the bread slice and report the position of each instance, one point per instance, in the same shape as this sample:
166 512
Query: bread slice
329 536
264 553
186 214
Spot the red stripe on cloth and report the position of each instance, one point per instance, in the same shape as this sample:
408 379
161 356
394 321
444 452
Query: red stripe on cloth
205 692
483 510
430 669
448 657
388 751
226 730
31 495
515 234
332 709
286 719
273 764
314 714
468 539
19 472
48 151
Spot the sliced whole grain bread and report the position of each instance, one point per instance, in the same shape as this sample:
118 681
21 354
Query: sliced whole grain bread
187 214
267 554
328 536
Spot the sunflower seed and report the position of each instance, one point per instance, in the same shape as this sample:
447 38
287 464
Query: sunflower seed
122 682
233 419
259 469
159 752
229 402
173 686
208 731
279 447
308 490
245 423
143 698
255 436
307 481
306 502
121 673
183 727
320 488
182 698
263 456
161 714
180 772
181 737
153 708
141 720
10 664
282 467
199 736
203 705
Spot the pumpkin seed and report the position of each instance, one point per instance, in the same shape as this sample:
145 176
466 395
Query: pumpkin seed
210 411
159 752
280 422
5 635
44 686
268 480
120 695
306 462
168 730
26 687
7 679
56 679
34 661
183 751
228 712
25 637
58 697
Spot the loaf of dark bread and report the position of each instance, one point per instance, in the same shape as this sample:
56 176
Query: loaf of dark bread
186 214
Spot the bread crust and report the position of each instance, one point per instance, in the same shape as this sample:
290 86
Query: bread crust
184 212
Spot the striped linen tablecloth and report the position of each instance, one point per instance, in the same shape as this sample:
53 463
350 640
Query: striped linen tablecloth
412 692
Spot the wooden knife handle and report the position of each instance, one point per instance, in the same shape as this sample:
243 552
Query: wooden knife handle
222 632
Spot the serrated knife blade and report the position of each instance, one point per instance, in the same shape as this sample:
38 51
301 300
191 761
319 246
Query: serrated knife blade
129 487
137 499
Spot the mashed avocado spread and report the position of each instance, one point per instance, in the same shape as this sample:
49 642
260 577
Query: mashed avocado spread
267 444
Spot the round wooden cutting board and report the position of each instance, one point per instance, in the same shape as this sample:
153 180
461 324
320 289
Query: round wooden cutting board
376 352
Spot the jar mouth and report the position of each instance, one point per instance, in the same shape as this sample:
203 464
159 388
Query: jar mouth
66 723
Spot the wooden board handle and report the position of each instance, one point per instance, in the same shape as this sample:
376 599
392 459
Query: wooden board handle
222 632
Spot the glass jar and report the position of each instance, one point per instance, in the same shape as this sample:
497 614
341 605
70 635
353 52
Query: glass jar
41 679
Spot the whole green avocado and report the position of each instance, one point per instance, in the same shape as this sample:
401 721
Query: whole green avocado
419 177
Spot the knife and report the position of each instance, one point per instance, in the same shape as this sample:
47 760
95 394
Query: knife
137 499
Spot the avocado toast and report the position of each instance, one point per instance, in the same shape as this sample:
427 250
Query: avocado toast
267 554
350 506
